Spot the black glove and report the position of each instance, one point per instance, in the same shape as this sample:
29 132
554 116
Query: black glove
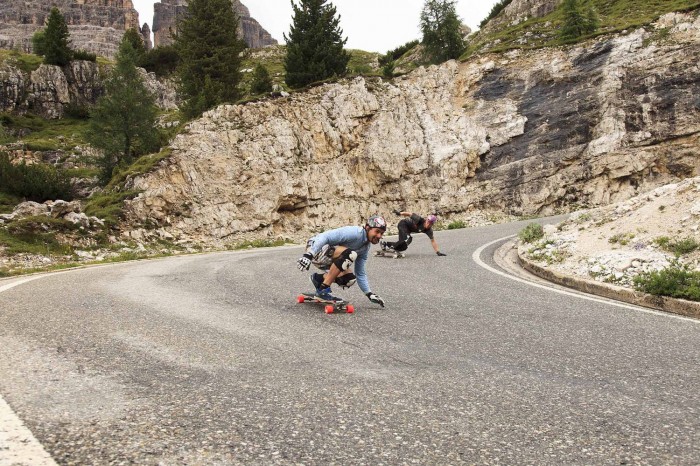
440 253
396 211
375 298
304 262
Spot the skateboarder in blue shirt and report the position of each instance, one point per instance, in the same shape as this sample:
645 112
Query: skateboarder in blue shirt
336 251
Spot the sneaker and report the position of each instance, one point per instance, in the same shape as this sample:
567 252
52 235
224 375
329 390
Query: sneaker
382 244
317 280
325 294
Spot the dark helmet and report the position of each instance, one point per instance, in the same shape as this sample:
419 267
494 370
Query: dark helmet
377 221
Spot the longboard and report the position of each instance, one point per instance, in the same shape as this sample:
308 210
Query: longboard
331 306
392 254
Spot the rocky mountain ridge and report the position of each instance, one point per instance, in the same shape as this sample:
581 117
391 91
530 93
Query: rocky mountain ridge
527 132
98 25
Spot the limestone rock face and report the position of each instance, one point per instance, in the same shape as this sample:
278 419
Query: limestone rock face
522 133
167 12
50 90
519 10
95 25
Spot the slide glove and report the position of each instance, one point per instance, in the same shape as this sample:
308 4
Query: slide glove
396 211
440 253
375 298
304 262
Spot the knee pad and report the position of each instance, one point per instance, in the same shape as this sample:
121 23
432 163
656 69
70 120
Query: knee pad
400 246
347 280
345 259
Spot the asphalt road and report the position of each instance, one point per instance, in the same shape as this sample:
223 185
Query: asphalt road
209 360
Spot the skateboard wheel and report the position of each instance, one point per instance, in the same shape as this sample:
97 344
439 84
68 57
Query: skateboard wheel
329 309
350 309
300 299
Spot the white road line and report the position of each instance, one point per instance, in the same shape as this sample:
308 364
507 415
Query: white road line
476 257
18 446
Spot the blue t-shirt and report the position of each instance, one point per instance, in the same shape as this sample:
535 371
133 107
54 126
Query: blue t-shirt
354 238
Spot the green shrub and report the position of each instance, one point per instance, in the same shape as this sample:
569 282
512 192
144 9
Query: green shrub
262 83
398 52
36 235
678 248
161 60
108 206
676 281
34 182
84 55
457 224
259 243
532 232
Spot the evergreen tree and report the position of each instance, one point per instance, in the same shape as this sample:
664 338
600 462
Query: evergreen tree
209 48
578 23
442 30
262 83
122 123
134 37
315 44
56 45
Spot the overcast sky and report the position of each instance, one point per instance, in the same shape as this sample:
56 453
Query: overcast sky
371 25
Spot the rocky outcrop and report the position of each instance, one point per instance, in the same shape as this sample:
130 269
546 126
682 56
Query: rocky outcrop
520 10
96 26
523 133
50 91
167 12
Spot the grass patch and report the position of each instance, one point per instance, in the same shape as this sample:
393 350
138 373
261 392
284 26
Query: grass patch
531 233
108 206
259 243
615 16
142 165
457 224
36 235
678 248
25 62
8 202
621 238
363 63
675 281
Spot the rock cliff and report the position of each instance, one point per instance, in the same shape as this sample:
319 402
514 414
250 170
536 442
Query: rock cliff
50 90
166 13
95 25
520 10
522 133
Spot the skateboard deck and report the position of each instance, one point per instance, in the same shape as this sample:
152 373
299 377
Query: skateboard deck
330 307
392 254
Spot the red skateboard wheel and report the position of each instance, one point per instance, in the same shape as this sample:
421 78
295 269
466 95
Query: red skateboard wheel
350 309
300 299
329 309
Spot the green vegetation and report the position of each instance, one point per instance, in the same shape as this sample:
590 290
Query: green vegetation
457 224
579 20
495 10
162 61
108 205
262 83
621 238
362 63
532 232
209 47
8 202
53 41
678 248
259 243
140 166
36 235
36 182
123 120
314 45
398 52
25 62
613 16
677 281
442 30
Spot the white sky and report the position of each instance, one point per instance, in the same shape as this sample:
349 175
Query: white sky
371 25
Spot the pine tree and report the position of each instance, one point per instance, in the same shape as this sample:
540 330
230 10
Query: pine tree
442 30
578 23
122 123
315 44
262 83
56 45
133 36
209 47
